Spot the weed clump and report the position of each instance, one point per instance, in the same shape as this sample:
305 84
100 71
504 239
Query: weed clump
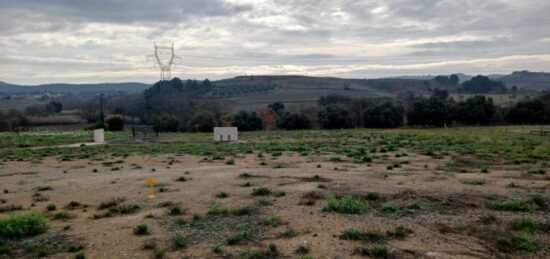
345 205
23 226
524 223
508 205
141 229
262 191
358 235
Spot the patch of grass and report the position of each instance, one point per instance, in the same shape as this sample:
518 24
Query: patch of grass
375 252
336 159
389 208
346 205
9 208
230 162
181 179
25 225
238 238
36 248
51 207
64 216
488 219
80 255
180 241
414 206
279 194
474 181
273 222
5 247
216 208
246 210
303 249
175 210
141 229
373 196
524 242
38 197
160 253
265 202
73 205
508 205
262 191
538 200
358 235
222 195
400 232
524 223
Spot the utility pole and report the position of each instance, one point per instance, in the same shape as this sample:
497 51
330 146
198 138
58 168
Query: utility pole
102 117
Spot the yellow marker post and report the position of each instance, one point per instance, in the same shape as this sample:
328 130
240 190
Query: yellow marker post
151 184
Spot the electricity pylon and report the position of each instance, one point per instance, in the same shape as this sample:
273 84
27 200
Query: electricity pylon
165 66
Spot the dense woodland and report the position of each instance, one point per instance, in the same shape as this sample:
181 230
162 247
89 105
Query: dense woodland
192 105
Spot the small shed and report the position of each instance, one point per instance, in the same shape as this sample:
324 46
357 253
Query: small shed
226 134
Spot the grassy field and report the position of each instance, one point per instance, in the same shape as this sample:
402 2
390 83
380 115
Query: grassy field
401 193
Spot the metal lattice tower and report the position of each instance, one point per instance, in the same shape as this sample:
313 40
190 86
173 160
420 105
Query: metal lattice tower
165 66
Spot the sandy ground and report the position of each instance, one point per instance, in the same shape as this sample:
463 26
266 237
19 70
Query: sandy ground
444 199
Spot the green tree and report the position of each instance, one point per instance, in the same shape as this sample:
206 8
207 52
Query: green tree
165 123
475 110
294 121
429 112
528 112
115 123
206 121
384 115
247 121
334 117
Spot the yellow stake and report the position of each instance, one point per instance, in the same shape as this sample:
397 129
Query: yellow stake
151 184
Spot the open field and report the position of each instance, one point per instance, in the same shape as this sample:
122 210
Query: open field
403 193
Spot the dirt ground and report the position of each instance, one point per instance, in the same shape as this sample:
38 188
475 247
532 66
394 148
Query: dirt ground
447 224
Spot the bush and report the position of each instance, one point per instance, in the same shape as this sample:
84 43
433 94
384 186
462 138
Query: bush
141 229
524 242
180 241
369 236
216 208
524 224
508 205
345 205
51 207
262 191
389 208
385 115
115 124
23 226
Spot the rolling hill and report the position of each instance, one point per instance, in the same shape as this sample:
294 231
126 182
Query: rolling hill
73 88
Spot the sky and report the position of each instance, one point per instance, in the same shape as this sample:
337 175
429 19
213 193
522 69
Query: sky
84 41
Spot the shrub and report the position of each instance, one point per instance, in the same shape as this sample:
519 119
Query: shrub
51 207
175 210
523 224
180 241
80 255
115 124
262 191
215 208
264 202
345 205
524 242
23 226
222 195
508 205
474 181
369 236
389 208
242 211
141 229
5 247
273 222
372 196
160 253
238 238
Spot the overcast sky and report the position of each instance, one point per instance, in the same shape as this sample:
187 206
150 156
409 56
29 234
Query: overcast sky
85 41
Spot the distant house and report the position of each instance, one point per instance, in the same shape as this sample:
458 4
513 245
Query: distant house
226 134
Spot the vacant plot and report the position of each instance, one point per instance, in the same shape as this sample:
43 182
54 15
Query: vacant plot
456 193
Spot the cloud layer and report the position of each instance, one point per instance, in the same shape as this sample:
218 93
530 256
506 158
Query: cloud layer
84 41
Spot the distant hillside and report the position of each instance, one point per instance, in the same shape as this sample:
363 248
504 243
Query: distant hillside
527 80
304 90
462 77
73 88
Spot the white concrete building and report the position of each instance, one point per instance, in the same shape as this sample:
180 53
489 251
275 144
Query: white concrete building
226 134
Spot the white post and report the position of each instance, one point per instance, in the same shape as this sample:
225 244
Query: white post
99 136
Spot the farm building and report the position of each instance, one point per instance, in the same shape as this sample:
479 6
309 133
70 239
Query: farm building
226 134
